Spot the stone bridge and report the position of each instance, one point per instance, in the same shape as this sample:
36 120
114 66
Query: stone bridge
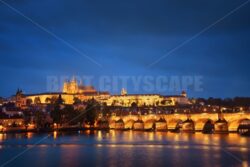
218 122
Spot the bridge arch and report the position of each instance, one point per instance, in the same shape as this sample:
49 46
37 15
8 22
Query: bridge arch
205 125
112 124
174 124
138 125
161 125
129 124
119 124
234 125
221 126
188 125
149 124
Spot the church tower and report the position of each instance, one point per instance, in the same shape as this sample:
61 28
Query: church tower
124 92
65 86
73 86
183 93
70 87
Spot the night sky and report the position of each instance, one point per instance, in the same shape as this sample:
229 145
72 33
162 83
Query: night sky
125 37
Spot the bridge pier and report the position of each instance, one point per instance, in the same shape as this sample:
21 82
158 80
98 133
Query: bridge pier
119 124
188 126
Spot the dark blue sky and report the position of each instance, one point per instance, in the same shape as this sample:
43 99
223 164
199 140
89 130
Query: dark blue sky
125 37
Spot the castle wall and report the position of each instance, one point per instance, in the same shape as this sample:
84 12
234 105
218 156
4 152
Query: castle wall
68 99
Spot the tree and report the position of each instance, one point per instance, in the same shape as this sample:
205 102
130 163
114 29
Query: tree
27 118
77 100
81 115
57 112
60 100
69 115
39 119
91 111
105 109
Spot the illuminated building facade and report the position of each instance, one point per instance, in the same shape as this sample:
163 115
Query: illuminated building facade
72 87
127 100
71 90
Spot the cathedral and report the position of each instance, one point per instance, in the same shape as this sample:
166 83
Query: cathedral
72 87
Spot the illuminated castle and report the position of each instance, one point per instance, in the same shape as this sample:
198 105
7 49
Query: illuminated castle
72 87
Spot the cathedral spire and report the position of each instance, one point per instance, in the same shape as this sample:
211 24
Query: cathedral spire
73 78
81 82
124 91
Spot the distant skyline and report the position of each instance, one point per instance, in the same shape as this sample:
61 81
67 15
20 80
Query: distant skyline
122 38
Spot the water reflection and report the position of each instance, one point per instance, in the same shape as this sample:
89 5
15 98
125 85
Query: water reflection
2 137
29 135
113 148
55 134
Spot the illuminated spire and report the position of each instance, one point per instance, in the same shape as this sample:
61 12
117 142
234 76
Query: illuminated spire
124 91
73 78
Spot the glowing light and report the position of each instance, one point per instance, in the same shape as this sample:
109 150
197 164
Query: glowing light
151 137
55 125
55 134
2 137
29 135
99 135
245 164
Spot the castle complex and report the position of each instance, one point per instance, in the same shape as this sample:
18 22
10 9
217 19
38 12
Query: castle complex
72 90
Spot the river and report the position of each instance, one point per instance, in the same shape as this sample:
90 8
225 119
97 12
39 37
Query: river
124 148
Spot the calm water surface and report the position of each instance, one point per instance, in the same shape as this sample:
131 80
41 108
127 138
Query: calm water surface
124 148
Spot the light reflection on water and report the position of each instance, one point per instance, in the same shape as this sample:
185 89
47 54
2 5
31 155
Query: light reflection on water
126 148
